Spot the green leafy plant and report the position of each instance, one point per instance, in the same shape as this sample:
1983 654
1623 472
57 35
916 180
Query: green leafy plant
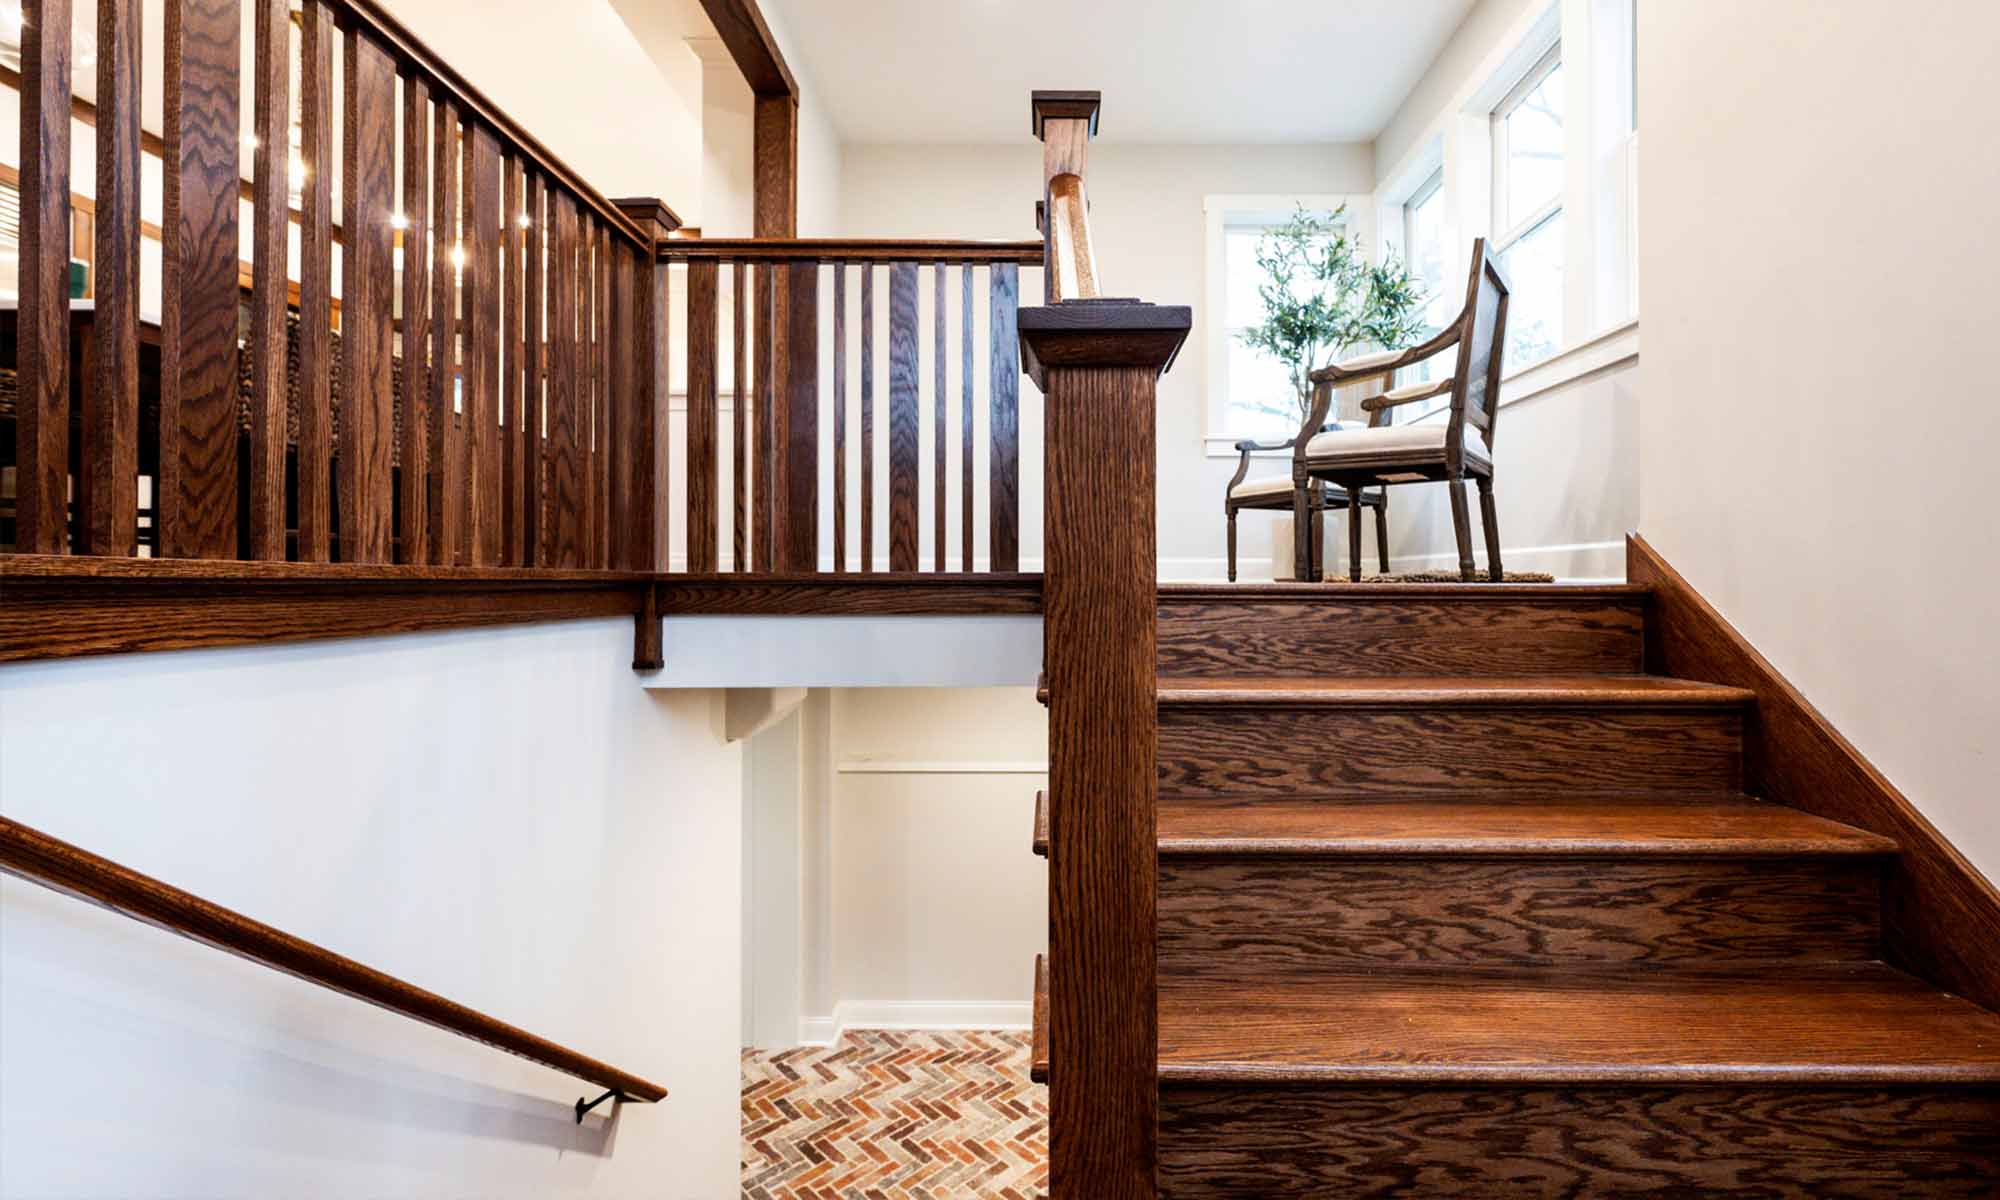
1323 299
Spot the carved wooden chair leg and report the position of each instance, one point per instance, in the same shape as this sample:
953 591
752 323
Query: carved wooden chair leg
1461 525
1382 532
1491 519
1354 508
1231 513
1302 535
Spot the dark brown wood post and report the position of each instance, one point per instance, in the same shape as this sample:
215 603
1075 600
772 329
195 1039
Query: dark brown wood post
650 452
1098 363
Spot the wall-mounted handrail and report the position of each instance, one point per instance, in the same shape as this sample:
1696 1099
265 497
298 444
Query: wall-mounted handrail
39 858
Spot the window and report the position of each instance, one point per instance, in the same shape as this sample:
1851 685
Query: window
1424 255
1528 209
1259 401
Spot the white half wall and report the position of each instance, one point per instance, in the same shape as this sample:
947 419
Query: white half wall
820 652
1817 263
504 817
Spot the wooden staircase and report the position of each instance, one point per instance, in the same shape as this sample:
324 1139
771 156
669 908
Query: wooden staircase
1455 900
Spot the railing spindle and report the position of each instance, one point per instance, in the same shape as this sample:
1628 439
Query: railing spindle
903 432
799 418
867 416
447 456
534 469
739 416
765 474
413 481
565 480
512 412
367 303
704 321
939 428
481 287
1003 487
313 451
108 484
43 356
965 416
270 269
839 416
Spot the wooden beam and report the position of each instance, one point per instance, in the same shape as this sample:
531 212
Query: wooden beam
740 25
775 176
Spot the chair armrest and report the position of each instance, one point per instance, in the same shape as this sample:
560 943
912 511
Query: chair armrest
1374 404
1246 446
1243 451
1335 374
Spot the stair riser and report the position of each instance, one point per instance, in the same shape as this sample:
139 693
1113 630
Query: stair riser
1356 753
1331 637
1275 1142
1242 919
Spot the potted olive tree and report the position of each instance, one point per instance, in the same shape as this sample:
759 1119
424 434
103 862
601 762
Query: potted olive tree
1324 301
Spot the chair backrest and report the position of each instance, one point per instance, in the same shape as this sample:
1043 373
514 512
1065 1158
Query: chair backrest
1475 399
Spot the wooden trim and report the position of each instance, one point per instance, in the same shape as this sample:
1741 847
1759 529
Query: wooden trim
740 25
863 250
774 191
852 594
54 606
35 856
1941 918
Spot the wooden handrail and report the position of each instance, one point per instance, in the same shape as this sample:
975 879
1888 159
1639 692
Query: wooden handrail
1021 253
39 858
1074 261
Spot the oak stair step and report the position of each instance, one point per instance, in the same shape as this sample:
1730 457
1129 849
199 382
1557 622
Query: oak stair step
1387 737
1377 629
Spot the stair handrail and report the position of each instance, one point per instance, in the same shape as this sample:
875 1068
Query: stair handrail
30 854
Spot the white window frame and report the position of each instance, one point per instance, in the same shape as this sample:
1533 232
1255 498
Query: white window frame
1219 212
1432 188
1504 235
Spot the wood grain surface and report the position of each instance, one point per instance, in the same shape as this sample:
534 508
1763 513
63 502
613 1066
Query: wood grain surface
42 359
703 478
313 455
107 490
368 184
903 429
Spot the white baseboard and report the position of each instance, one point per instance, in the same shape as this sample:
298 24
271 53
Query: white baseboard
914 1014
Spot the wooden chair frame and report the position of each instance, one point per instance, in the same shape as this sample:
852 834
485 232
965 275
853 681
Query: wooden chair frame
1322 498
1479 331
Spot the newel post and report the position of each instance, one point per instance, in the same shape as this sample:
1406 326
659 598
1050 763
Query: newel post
640 488
1098 363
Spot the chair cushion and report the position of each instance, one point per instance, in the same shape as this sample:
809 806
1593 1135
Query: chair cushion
1272 486
1422 442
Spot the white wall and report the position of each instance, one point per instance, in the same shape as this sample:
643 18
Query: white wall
504 817
1821 181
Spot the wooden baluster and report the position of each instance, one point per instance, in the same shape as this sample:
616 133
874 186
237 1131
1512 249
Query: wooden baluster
608 447
108 483
367 303
534 469
839 416
480 232
585 364
767 492
651 449
512 447
739 415
704 323
1004 399
195 491
903 433
1099 598
938 425
42 432
447 454
867 416
564 506
801 419
313 449
414 443
965 415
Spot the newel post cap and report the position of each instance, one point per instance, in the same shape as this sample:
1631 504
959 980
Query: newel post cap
650 214
1102 333
1065 106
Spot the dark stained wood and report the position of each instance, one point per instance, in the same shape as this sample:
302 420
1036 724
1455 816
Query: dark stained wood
1370 629
862 594
367 417
799 551
867 416
513 445
652 215
1786 1142
51 610
1099 621
1088 331
939 427
704 324
563 504
740 25
534 327
966 478
740 400
840 417
649 651
448 458
414 475
903 427
480 231
1849 1024
33 855
589 453
198 485
43 343
831 250
774 153
764 470
1038 1038
1040 843
609 449
107 484
1943 917
638 368
1004 421
1434 693
313 455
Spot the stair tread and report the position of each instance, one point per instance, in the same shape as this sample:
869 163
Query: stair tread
1402 591
1860 1023
1452 691
1732 826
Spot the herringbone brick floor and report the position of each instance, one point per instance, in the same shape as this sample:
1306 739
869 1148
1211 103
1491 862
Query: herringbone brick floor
895 1116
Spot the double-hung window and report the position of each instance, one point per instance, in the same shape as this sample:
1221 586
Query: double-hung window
1258 398
1424 257
1528 209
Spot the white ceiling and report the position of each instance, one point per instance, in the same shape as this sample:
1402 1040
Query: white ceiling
1170 70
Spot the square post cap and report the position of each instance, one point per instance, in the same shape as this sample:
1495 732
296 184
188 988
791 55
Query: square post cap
1066 106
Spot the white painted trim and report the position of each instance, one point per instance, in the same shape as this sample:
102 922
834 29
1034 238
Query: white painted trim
915 1014
1602 351
870 766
